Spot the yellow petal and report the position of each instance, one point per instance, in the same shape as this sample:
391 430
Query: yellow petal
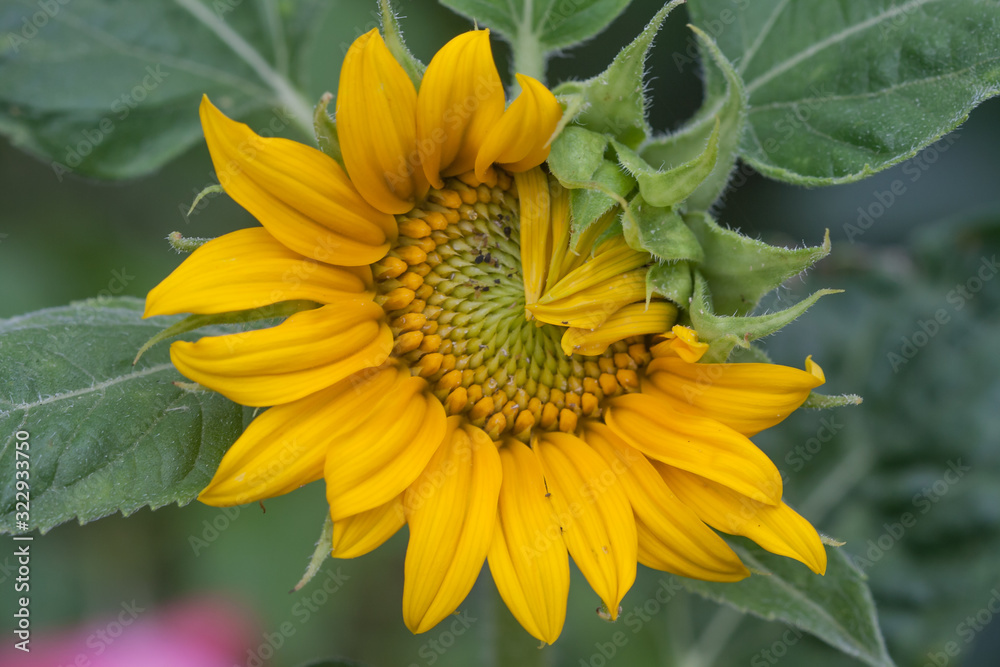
589 308
777 528
461 99
528 557
535 203
671 536
248 269
583 249
362 533
635 319
377 126
702 446
682 342
613 258
309 351
594 512
745 397
520 140
451 509
299 194
376 461
285 446
560 232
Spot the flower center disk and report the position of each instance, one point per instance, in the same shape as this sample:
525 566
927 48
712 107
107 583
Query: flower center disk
453 292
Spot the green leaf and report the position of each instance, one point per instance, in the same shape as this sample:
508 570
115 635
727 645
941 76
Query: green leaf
839 91
659 231
595 184
393 36
324 547
837 608
105 436
671 187
740 270
111 89
671 280
711 326
616 103
541 25
723 111
325 129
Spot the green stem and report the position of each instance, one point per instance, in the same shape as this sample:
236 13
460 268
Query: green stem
286 94
528 55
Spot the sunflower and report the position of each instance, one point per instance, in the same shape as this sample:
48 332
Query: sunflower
461 361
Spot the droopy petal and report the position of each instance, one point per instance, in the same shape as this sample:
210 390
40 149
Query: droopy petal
597 520
248 269
589 308
682 342
528 557
671 536
309 351
381 457
777 528
359 534
635 319
614 258
285 446
746 397
461 99
560 232
700 445
298 193
536 205
520 139
451 509
377 126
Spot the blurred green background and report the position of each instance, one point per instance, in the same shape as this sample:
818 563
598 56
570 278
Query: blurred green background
924 412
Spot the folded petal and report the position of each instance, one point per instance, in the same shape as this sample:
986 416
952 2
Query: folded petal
746 397
298 193
285 446
589 308
461 98
309 351
697 444
376 461
613 258
520 140
527 557
561 233
671 536
634 319
594 512
362 533
681 342
536 238
248 269
777 528
451 509
377 126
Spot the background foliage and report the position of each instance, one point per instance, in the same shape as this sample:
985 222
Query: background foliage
904 243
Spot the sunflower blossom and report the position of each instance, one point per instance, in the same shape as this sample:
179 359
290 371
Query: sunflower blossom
464 364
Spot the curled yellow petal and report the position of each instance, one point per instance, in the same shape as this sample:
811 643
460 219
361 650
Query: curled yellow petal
777 528
528 558
377 126
285 446
671 536
362 533
700 445
299 194
613 258
589 308
594 513
520 140
536 238
248 269
451 509
745 397
560 232
635 319
460 100
682 342
376 461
